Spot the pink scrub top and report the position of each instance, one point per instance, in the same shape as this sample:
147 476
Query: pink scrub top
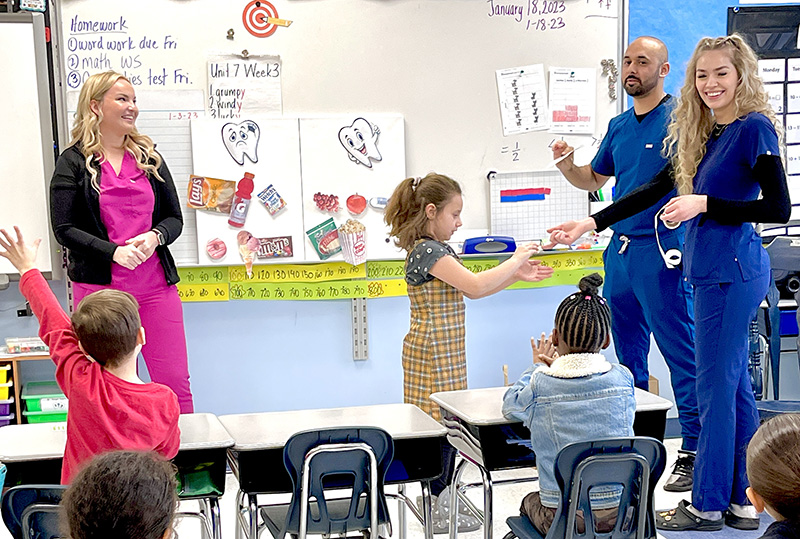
126 209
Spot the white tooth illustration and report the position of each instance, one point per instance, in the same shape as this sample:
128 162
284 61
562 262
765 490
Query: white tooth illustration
360 139
242 140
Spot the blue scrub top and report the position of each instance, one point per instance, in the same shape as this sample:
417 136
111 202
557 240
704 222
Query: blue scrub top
717 253
631 152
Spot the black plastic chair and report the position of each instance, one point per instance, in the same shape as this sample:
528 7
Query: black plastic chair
635 463
31 511
324 462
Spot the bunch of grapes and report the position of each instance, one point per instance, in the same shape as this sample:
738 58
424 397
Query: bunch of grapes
326 202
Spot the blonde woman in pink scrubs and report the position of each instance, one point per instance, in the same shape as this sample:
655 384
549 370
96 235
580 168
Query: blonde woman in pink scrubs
113 205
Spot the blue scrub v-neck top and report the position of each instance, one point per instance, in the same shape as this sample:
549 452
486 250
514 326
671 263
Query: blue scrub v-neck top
718 253
631 152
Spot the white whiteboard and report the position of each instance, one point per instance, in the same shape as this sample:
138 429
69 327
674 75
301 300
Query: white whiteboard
432 62
26 153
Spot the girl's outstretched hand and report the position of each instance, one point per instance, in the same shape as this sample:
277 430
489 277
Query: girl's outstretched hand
544 351
525 250
533 271
21 255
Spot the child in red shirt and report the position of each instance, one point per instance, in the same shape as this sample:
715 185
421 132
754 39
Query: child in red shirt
95 355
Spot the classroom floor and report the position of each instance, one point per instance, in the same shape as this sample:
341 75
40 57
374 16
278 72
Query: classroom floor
506 503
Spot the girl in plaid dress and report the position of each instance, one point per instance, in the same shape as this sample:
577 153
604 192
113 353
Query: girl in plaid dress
423 214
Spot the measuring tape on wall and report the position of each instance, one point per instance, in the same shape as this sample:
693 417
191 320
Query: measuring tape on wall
339 280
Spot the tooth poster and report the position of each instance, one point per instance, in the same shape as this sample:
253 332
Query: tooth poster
339 177
241 140
360 141
239 87
269 149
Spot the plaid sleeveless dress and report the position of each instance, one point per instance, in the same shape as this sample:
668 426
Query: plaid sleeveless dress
434 351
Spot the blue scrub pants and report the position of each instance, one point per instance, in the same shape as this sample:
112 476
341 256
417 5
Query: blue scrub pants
728 414
647 297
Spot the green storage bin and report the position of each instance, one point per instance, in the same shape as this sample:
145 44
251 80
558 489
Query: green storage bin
44 396
44 417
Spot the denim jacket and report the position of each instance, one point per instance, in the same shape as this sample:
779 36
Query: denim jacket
580 397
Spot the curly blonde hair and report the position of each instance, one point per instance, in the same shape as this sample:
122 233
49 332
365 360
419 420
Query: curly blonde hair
86 129
691 121
405 212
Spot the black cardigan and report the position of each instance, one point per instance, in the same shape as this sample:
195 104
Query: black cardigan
75 216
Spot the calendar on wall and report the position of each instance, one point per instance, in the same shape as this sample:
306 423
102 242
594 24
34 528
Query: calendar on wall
772 32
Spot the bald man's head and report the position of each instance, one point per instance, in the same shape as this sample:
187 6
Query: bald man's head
644 66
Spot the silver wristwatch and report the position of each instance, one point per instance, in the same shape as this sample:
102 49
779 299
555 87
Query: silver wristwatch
161 239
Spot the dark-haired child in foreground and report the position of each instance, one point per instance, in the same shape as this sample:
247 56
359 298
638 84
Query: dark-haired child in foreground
95 355
573 395
124 495
773 469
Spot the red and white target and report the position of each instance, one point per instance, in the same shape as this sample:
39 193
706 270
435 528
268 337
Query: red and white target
256 18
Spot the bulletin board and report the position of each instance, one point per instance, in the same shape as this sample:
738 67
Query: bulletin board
26 153
434 64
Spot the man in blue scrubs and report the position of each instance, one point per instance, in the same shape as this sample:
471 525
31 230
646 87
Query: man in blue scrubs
645 295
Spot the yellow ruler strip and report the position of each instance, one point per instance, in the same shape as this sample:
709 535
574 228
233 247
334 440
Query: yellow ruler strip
203 275
394 269
203 292
297 273
317 291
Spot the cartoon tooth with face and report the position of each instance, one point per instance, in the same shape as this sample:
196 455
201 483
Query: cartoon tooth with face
360 139
241 140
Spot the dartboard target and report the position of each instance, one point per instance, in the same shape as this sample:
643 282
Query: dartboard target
256 18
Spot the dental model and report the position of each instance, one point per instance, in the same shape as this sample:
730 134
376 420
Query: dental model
360 139
242 140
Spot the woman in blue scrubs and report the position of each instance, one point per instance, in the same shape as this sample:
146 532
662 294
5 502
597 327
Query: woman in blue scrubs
724 147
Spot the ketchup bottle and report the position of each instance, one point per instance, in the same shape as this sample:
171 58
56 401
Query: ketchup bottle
241 202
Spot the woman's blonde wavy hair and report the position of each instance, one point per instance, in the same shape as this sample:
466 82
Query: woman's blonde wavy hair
692 121
86 129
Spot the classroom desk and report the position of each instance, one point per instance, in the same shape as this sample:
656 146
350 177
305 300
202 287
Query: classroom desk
257 456
476 427
33 453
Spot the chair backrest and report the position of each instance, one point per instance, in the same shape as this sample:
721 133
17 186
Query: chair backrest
31 511
635 463
337 458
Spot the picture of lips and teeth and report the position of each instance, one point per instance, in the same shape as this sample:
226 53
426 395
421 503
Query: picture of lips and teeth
360 139
241 140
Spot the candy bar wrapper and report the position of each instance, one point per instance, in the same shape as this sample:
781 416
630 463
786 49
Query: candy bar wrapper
354 246
280 247
211 194
325 239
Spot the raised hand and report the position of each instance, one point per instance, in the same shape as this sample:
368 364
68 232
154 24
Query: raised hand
544 351
21 255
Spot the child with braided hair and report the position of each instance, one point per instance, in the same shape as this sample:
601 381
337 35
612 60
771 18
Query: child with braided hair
572 393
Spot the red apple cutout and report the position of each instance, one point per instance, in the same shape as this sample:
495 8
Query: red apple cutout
356 204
